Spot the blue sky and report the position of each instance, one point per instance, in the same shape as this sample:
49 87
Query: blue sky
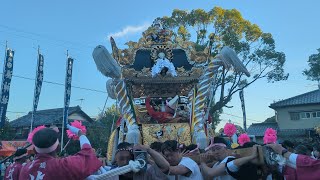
79 26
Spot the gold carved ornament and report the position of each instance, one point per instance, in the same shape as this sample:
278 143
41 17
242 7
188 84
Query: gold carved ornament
166 49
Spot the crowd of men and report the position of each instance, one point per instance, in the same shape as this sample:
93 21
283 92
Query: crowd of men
167 160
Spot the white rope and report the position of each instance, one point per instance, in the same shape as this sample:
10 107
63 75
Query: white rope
134 166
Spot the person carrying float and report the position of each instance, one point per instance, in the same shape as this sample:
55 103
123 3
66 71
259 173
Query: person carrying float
47 166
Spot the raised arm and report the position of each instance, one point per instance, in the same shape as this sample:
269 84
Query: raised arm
82 137
291 157
179 170
83 163
241 161
218 170
160 161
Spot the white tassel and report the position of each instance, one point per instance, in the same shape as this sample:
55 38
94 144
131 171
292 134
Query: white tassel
133 134
201 139
111 89
105 62
230 58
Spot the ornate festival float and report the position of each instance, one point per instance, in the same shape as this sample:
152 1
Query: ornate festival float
163 87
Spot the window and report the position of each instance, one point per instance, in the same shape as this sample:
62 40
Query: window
294 116
314 114
304 115
308 114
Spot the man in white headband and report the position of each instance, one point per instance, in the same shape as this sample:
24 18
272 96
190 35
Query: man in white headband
13 171
183 168
219 149
47 167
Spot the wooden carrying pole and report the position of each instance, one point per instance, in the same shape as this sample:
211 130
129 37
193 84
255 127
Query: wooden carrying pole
209 158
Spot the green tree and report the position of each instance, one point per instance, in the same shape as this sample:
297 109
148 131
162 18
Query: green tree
199 19
100 132
223 27
270 119
179 17
216 118
313 73
6 132
183 33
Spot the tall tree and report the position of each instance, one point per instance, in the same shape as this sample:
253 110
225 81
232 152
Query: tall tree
99 133
313 73
224 27
199 19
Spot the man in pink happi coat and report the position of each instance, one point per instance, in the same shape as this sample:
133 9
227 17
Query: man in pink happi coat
13 171
305 166
46 166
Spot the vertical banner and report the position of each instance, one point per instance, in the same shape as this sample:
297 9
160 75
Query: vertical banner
37 87
67 92
243 110
5 85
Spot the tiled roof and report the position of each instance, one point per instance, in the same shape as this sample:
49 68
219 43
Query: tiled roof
47 117
292 132
258 129
312 97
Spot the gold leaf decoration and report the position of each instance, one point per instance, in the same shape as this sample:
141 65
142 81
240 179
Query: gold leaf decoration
129 72
171 131
111 145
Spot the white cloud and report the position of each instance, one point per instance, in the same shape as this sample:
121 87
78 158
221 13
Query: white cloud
129 30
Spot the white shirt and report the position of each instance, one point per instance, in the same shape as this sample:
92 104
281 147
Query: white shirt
292 160
192 166
224 177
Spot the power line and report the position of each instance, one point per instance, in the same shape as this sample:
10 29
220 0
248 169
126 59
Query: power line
50 82
232 122
241 117
77 48
60 84
11 29
15 112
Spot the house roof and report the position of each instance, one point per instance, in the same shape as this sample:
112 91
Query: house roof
292 132
312 97
47 117
258 129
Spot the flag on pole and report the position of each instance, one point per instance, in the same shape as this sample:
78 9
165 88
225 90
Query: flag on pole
67 92
37 88
5 85
243 110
